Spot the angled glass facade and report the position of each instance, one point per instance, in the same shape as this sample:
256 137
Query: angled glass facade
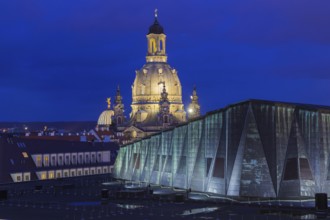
254 148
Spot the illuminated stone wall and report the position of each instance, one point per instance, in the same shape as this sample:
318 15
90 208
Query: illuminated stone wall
253 148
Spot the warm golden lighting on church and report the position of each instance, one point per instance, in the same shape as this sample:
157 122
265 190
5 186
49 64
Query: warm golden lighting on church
156 94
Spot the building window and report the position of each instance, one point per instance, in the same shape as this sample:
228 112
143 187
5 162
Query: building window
79 173
106 156
105 169
18 178
25 155
39 161
60 160
58 175
67 159
80 159
93 158
99 157
46 160
51 175
74 159
26 177
43 176
53 160
87 158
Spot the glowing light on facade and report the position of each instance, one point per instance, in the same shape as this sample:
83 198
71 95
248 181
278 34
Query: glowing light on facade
254 148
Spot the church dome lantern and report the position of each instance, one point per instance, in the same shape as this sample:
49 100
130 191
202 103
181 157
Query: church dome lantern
156 42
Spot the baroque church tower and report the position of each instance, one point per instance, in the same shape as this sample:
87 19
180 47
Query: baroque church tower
156 91
119 108
165 117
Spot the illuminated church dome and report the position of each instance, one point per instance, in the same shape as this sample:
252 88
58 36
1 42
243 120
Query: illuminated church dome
105 118
150 80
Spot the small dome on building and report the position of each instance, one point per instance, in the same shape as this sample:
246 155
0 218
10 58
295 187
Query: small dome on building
105 118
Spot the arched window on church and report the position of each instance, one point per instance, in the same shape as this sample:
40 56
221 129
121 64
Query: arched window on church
153 47
161 45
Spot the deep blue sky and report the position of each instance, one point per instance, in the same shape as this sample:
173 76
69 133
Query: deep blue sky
59 60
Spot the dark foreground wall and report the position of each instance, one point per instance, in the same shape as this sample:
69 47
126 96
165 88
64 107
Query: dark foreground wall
253 148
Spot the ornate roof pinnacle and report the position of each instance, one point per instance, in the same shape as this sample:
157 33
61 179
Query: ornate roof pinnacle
164 94
118 97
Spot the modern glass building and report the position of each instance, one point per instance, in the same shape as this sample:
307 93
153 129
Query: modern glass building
253 148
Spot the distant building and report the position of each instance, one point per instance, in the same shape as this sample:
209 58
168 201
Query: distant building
156 94
119 116
105 119
33 157
254 148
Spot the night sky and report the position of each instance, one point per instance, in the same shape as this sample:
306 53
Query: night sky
59 60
